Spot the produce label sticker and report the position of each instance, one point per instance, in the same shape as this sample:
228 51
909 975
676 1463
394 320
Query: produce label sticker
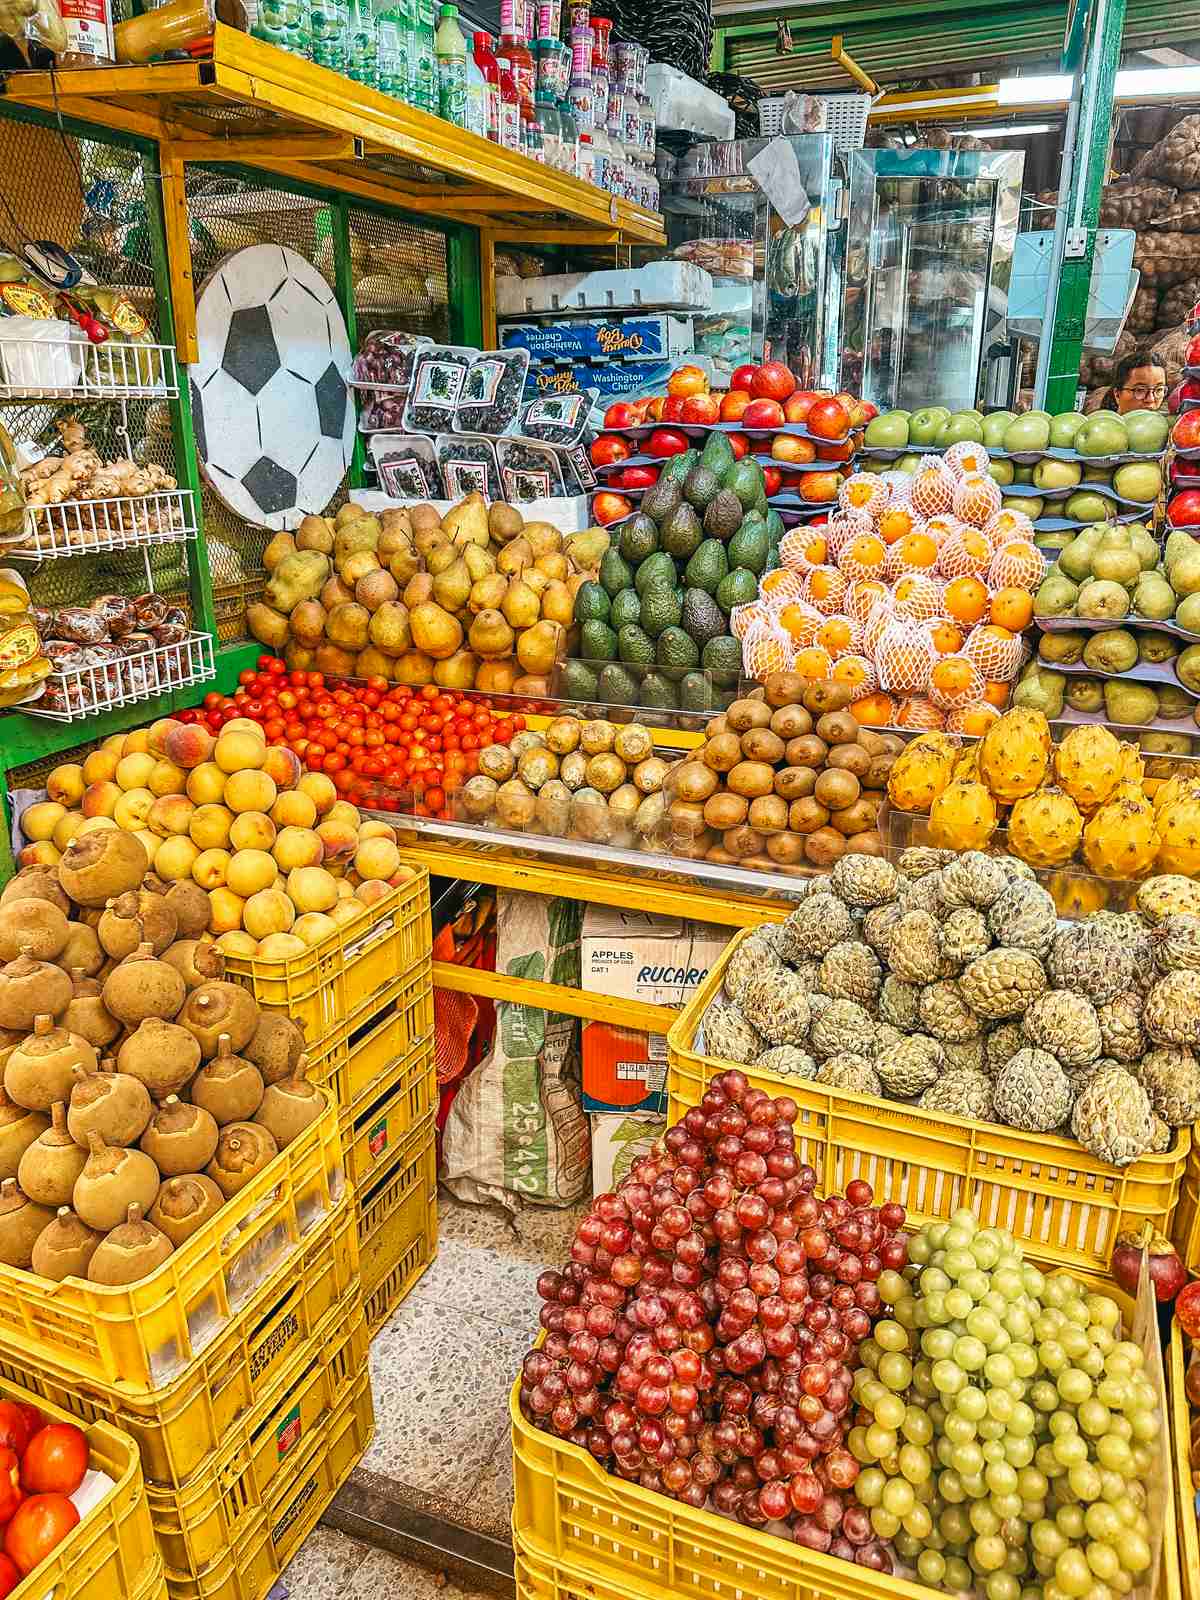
555 411
578 457
126 319
523 483
23 300
438 383
378 1138
405 478
483 381
465 477
288 1432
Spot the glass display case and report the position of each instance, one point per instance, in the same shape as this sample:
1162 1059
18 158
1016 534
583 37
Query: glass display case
769 274
928 257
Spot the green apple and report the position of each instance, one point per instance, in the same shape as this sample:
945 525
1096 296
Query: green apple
907 464
1064 427
1022 472
1138 480
1146 430
963 425
1050 473
1030 432
1001 472
923 425
1085 505
1103 434
994 426
888 431
1031 504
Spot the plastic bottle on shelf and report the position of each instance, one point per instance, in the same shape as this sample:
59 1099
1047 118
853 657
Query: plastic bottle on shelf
391 46
451 68
532 129
570 139
586 159
362 60
511 131
422 61
547 115
329 26
477 98
517 53
486 62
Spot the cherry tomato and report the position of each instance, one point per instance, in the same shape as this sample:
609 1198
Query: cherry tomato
10 1575
429 691
246 677
38 1524
55 1460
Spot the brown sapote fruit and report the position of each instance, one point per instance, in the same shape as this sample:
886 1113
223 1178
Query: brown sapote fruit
243 1151
196 961
95 867
135 918
113 1104
229 1087
64 1247
19 1127
112 1180
141 986
28 988
41 1069
192 908
276 1047
87 1015
131 1251
21 1220
52 1163
37 883
219 1008
34 928
162 1055
179 1137
184 1205
289 1106
82 950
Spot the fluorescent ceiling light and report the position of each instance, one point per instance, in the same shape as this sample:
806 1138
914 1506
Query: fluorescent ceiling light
1011 133
1035 90
1147 83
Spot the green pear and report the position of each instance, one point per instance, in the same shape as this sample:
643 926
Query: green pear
1165 744
1155 647
1138 480
1179 543
1052 542
1064 427
1132 705
1102 600
1174 700
1144 543
1185 572
1113 651
1030 432
1187 668
1115 559
1085 694
1051 473
1076 559
1056 595
1154 598
1040 690
1187 616
1062 649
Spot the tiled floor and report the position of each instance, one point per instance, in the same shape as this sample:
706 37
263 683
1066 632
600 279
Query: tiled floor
441 1370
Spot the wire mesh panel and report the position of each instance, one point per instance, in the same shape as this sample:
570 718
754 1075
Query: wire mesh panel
401 278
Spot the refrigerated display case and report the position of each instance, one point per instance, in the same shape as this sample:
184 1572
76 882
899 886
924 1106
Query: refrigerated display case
928 258
769 273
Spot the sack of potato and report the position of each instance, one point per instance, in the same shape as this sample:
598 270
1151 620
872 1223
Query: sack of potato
1175 159
1133 203
1175 305
1167 258
1143 313
477 598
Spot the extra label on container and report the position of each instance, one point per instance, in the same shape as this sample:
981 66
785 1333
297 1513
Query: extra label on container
466 477
404 478
274 1345
523 483
288 1433
294 1510
377 1139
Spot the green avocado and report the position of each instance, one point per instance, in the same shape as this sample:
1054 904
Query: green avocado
658 566
748 548
634 646
592 603
707 566
722 654
597 641
724 516
662 607
738 588
696 692
676 651
616 686
717 453
680 534
658 691
639 538
615 573
678 467
746 480
701 487
577 681
626 607
701 617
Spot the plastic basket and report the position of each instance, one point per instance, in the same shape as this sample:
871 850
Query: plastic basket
142 1335
1185 1495
845 117
154 1585
397 1223
357 1056
1185 1233
177 1427
1049 1192
111 1550
208 1514
580 1533
339 976
272 1533
374 1127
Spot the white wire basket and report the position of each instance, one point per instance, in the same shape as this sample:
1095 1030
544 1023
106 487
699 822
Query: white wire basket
85 691
845 117
73 369
122 522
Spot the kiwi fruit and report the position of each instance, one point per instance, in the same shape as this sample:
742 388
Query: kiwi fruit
87 1016
244 1149
229 1087
184 1205
216 1009
95 867
142 986
179 1137
276 1047
37 883
41 1070
289 1106
64 1247
114 1105
112 1180
34 928
135 918
161 1055
196 961
52 1163
131 1251
82 950
19 1127
21 1220
192 908
28 988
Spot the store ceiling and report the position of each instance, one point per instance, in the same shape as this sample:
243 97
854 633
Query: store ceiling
902 40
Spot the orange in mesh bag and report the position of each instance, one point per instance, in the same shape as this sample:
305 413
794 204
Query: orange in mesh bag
743 617
965 552
858 672
918 712
780 585
944 636
864 491
915 552
1017 564
918 596
904 657
801 549
838 635
942 527
864 557
825 588
878 618
974 718
813 664
954 681
844 526
861 595
766 649
932 491
1007 524
896 519
996 652
801 621
966 459
977 499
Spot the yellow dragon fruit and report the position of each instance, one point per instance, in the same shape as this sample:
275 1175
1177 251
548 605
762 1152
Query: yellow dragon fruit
1044 828
1176 788
1121 839
1179 832
1088 766
1014 754
967 763
1077 894
921 771
1133 767
963 817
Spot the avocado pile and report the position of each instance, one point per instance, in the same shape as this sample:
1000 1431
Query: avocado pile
654 629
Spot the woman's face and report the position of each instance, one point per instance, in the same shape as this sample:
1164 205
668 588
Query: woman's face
1144 389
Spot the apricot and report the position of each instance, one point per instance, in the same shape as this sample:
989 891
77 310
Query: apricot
283 765
205 784
211 868
266 912
133 771
175 857
294 809
100 766
158 733
249 790
297 848
132 809
100 799
252 830
170 813
188 744
238 751
66 784
225 911
376 858
311 889
320 789
167 778
251 871
209 827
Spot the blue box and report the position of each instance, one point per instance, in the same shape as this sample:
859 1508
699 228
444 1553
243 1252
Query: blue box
615 380
645 338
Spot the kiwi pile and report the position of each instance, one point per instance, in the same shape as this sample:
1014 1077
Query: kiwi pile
139 1091
786 780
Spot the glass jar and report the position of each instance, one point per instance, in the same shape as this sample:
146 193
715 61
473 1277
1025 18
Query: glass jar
547 115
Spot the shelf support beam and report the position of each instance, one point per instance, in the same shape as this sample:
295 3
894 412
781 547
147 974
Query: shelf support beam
285 147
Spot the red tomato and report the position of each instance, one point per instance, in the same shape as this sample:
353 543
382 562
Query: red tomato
39 1524
10 1483
10 1576
607 449
620 415
246 677
55 1460
16 1429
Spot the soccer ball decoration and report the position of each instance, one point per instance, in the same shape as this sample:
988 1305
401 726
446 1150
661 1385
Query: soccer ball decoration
273 419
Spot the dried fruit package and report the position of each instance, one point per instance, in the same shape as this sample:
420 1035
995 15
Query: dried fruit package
467 463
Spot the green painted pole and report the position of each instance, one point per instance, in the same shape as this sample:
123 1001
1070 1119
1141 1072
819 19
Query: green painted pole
343 286
462 270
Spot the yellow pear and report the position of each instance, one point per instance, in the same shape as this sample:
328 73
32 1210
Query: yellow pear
520 605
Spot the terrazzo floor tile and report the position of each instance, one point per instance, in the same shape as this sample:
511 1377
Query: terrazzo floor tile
489 1509
384 1576
325 1565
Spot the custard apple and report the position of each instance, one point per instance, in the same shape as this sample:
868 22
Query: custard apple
972 879
842 1026
945 1013
1166 895
849 1071
1121 1033
1024 917
818 923
1161 1138
775 1003
910 1066
850 971
1066 1025
1171 1077
915 953
879 925
963 936
960 1094
1090 962
1172 1011
1002 982
1176 943
1128 929
862 880
968 1053
924 895
1001 1044
729 1037
787 1061
1032 1092
899 1004
920 859
754 954
1112 1117
886 1038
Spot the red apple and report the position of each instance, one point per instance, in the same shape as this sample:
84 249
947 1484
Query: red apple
836 452
666 442
763 414
739 444
734 404
1185 435
701 408
607 507
798 405
672 409
819 487
608 447
773 381
828 419
742 377
1183 509
1189 389
620 415
636 478
1192 357
772 478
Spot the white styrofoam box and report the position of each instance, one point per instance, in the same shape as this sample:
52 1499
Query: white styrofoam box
568 514
618 1139
684 105
665 285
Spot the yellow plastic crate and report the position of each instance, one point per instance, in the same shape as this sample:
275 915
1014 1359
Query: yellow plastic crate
298 1498
195 1523
141 1336
357 1056
1185 1494
1185 1230
397 1223
373 1128
340 975
1048 1191
176 1428
580 1533
154 1586
111 1550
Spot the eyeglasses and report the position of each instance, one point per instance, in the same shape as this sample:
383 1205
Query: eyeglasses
1141 392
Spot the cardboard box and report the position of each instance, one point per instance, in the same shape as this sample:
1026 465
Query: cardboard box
632 338
635 956
617 1141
